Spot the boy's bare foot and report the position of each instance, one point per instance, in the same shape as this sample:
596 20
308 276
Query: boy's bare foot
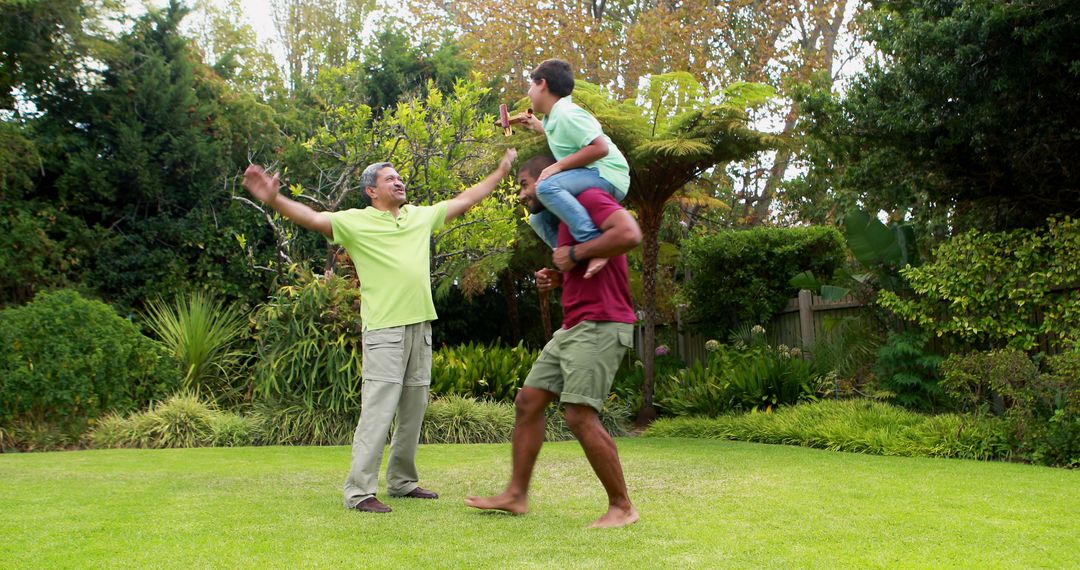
513 504
616 517
595 265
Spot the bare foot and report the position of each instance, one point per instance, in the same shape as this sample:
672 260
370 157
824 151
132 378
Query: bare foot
595 265
513 504
616 517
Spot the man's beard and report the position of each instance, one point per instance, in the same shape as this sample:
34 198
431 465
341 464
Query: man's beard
535 207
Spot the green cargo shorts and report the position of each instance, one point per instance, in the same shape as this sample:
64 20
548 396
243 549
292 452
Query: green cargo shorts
579 364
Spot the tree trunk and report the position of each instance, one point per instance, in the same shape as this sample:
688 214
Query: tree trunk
650 244
510 294
545 314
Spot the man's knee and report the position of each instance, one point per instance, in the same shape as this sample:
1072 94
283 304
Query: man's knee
529 403
580 418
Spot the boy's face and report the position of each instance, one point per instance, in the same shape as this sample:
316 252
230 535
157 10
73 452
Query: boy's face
538 95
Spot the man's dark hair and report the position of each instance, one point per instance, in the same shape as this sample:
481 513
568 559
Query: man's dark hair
535 165
557 73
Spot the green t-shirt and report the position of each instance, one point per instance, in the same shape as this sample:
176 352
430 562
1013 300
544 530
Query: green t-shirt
393 261
570 128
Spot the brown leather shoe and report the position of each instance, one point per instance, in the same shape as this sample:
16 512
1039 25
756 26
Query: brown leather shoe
421 493
372 505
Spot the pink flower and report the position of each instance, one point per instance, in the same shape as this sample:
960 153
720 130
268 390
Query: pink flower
662 350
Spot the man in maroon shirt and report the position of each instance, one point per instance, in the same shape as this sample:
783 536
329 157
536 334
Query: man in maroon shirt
578 365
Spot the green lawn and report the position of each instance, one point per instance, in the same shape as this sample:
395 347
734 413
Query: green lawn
703 504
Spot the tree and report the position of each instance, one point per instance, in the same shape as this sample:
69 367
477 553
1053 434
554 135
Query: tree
968 120
616 43
672 133
318 34
438 143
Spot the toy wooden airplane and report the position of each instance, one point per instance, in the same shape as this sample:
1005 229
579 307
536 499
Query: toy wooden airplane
505 119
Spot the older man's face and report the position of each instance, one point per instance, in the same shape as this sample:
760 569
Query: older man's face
389 189
527 193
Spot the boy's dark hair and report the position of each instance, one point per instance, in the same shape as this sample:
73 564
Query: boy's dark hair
557 73
535 165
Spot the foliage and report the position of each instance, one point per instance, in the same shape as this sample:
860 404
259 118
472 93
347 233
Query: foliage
65 359
294 422
491 372
396 70
774 377
971 107
860 426
998 289
1042 409
743 276
846 348
311 344
182 420
909 370
203 333
462 419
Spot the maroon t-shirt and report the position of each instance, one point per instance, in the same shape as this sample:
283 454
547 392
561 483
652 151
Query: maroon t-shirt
606 295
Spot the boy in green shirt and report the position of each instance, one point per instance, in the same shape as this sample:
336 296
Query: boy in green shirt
584 158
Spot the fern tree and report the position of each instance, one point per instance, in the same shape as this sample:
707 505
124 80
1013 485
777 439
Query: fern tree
673 132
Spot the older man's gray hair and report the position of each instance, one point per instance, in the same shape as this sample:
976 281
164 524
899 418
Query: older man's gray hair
368 177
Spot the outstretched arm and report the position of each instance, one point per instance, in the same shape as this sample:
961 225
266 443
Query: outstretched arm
621 233
459 204
267 190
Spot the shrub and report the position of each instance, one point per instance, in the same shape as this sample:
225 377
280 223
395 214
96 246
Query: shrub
310 347
461 419
295 422
908 370
202 334
1042 410
492 372
995 290
773 377
183 420
743 276
65 359
859 426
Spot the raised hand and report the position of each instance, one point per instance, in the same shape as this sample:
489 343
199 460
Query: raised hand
260 184
507 162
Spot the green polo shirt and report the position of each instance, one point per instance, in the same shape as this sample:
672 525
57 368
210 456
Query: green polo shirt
393 261
569 128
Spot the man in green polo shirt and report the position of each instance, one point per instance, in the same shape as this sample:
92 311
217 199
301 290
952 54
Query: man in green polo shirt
390 245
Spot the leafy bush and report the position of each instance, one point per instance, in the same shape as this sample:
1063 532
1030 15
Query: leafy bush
493 372
749 375
310 347
1042 410
202 334
183 420
743 276
297 423
859 426
909 371
774 377
846 349
65 359
461 419
995 290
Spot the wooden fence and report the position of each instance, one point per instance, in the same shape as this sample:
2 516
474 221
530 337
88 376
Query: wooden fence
800 322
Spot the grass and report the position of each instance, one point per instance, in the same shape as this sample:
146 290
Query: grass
704 504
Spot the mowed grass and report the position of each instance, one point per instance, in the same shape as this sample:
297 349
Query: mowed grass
704 504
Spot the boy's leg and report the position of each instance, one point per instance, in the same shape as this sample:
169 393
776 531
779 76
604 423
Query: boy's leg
557 194
546 225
